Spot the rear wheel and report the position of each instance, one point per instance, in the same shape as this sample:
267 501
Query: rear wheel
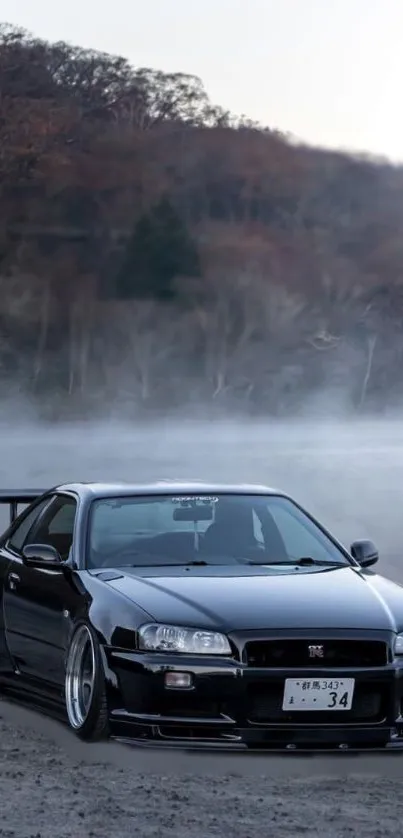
85 692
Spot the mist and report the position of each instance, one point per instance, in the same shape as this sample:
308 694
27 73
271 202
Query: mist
348 471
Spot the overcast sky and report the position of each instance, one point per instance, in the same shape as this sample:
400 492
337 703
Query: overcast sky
329 74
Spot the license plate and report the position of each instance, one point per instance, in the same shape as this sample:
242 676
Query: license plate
318 694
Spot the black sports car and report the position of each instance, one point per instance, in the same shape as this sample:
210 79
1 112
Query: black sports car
197 615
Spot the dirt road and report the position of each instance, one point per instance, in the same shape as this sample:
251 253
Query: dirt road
55 787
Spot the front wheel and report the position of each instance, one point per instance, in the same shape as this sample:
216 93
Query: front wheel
85 692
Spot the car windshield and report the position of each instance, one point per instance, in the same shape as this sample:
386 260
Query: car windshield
223 530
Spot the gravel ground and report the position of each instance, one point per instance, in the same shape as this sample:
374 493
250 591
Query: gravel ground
55 787
52 786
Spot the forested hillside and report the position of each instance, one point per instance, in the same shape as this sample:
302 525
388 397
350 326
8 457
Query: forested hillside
157 251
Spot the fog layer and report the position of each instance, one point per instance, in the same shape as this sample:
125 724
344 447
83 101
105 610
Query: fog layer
349 473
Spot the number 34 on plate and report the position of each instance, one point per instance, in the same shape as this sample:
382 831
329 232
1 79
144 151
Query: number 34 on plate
318 694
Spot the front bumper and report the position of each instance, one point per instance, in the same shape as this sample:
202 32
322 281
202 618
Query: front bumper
231 707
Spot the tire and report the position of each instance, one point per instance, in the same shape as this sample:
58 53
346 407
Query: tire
85 689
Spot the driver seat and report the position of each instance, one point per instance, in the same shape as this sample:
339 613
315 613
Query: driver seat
232 531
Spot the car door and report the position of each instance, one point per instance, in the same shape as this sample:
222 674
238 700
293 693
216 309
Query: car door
35 599
8 552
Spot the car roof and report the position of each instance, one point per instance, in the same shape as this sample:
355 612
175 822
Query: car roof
162 487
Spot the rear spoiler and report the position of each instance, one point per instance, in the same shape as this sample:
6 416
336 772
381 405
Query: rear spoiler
13 497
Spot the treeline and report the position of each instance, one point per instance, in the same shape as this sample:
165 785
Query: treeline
156 251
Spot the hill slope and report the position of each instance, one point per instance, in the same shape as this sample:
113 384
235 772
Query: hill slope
158 251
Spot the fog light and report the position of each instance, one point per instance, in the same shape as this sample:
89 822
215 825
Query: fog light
178 680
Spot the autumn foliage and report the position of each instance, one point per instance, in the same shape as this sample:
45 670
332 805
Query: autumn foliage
157 251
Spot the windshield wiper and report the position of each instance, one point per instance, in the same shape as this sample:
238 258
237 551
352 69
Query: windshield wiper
197 563
153 559
304 561
177 564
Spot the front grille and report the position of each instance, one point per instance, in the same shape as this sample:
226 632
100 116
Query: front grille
265 706
310 653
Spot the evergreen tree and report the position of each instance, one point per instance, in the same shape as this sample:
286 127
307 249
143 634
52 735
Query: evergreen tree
159 250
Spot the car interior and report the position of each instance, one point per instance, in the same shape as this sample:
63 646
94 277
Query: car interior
232 529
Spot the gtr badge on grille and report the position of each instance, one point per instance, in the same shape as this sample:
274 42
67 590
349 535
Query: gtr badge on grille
316 651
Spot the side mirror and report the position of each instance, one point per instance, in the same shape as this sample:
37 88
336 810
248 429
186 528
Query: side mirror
364 552
41 555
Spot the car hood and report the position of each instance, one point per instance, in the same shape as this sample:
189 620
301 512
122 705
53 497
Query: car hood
228 599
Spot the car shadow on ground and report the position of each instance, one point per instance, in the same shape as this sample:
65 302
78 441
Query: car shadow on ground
173 763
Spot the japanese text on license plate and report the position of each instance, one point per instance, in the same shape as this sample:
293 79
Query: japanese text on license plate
318 694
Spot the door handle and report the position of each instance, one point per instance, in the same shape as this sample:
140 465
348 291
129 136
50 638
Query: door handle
13 579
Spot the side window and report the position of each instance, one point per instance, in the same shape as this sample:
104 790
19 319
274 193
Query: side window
17 539
63 520
57 526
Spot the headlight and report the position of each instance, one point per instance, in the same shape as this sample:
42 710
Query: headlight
160 638
399 644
